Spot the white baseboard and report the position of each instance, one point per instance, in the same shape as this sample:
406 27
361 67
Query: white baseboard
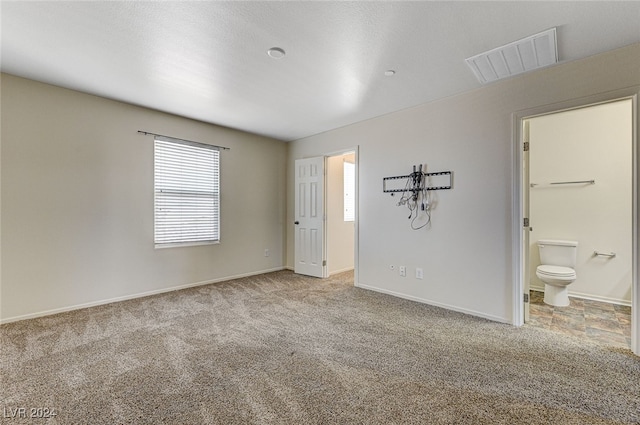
348 269
133 296
436 304
536 288
588 296
330 274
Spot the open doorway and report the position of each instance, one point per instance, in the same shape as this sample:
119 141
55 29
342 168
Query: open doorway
340 205
577 183
326 214
521 227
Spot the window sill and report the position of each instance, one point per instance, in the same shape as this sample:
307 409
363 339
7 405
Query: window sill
184 244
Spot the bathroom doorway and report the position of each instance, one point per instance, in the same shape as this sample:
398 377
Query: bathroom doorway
577 184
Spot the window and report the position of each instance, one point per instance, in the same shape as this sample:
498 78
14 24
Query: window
187 192
349 191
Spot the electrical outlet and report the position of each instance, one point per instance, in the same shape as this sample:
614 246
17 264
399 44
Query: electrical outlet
403 271
419 273
266 252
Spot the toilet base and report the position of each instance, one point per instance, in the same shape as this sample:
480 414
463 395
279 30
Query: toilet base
557 296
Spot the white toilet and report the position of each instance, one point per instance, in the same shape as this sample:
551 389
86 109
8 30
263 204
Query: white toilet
558 259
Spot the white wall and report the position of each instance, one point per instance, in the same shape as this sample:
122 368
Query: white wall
77 202
467 252
584 144
340 233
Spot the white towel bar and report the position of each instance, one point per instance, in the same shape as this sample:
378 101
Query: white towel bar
604 254
575 182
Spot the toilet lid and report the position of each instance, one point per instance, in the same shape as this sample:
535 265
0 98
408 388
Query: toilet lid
558 271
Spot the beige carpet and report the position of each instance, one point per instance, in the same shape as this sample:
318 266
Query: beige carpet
284 349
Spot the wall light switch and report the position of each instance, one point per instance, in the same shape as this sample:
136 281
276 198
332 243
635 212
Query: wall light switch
419 273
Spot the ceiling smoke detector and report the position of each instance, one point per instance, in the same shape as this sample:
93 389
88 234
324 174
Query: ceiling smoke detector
276 52
534 52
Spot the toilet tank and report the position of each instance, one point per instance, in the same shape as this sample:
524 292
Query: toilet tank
558 253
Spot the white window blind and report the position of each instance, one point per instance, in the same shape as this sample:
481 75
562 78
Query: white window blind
187 192
349 191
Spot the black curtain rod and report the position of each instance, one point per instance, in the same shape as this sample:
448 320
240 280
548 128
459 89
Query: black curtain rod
146 133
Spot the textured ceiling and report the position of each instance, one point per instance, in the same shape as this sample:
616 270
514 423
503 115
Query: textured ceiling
208 60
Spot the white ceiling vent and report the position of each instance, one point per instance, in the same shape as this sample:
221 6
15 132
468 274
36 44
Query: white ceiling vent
533 52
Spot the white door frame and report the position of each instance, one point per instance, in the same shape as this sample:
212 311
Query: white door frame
356 151
356 212
519 250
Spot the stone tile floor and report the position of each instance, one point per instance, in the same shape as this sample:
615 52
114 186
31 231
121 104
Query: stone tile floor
608 324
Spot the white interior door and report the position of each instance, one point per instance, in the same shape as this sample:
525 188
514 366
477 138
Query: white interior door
309 257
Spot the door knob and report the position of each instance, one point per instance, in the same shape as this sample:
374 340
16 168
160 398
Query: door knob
296 222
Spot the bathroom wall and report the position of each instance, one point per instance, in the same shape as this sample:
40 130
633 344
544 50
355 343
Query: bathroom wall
584 144
340 233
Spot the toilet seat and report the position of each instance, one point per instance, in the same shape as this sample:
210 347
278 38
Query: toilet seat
556 271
